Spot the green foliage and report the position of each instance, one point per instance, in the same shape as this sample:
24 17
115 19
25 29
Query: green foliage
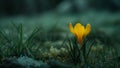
79 53
17 45
92 54
74 51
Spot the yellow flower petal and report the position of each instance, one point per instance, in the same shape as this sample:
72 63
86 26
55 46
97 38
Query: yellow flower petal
79 28
80 31
71 28
80 40
87 29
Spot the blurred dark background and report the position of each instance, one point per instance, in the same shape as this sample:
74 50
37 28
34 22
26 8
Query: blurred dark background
28 7
15 7
101 14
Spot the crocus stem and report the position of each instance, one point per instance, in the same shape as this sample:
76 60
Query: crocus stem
84 53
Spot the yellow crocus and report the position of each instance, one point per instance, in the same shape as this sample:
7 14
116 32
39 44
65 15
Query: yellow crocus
80 31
